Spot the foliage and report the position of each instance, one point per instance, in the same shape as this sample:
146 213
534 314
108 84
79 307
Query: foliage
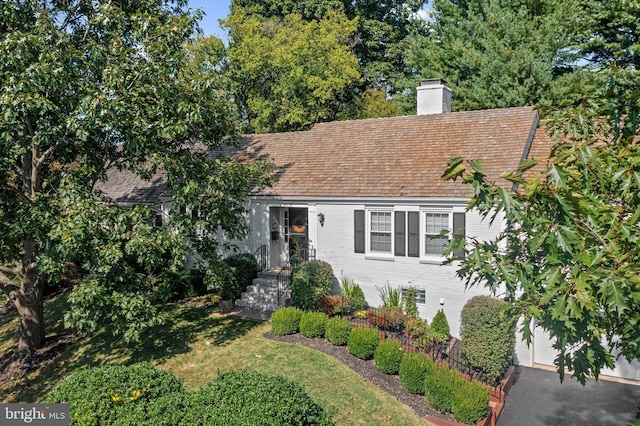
91 89
252 398
312 324
448 392
413 369
386 318
496 53
310 281
362 342
243 268
388 355
354 293
439 328
286 321
416 329
389 296
141 394
337 330
409 302
362 314
332 304
288 74
104 395
572 263
488 336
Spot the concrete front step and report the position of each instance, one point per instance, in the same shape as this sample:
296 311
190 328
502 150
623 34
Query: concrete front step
258 306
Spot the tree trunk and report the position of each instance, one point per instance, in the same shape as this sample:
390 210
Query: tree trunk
29 303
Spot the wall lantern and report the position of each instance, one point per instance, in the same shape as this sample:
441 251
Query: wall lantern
321 218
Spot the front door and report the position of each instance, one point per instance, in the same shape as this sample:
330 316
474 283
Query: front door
298 233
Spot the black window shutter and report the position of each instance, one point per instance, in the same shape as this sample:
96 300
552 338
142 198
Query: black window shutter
413 233
459 224
399 233
358 221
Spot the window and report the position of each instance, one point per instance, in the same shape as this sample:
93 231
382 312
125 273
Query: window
434 224
421 297
380 232
157 221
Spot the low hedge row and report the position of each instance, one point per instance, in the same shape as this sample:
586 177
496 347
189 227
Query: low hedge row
286 321
142 395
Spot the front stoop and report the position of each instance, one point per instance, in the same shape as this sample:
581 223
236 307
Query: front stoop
262 295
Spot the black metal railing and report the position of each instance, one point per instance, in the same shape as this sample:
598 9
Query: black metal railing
261 257
284 282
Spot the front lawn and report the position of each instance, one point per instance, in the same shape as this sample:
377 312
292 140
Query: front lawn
196 344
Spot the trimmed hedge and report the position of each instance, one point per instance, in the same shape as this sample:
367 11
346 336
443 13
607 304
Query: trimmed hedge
309 282
412 371
388 355
110 394
337 331
312 324
142 395
363 341
286 321
448 392
487 338
252 398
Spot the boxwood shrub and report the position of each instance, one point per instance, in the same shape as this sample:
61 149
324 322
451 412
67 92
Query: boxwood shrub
252 398
362 342
312 324
337 331
487 337
412 371
470 402
440 384
309 282
116 394
286 321
388 355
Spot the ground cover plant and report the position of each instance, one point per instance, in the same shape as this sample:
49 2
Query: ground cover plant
195 344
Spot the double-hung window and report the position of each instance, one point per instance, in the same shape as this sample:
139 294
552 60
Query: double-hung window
380 232
436 233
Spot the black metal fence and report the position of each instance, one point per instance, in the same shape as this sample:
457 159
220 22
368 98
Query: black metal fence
261 257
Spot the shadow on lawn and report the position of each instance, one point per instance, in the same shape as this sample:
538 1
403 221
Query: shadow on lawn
182 327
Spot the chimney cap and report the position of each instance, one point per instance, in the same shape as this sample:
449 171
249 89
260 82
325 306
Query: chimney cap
433 81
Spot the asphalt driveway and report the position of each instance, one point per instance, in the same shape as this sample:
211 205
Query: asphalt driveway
537 398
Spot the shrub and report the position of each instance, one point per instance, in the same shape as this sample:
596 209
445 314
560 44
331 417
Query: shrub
439 386
412 371
252 398
312 324
389 296
470 402
409 301
387 318
104 395
488 338
309 282
362 342
388 355
243 268
416 328
354 293
439 329
332 304
178 285
286 321
337 330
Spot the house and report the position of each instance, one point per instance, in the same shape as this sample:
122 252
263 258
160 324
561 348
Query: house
366 196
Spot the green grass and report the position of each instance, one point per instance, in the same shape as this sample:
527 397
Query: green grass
197 344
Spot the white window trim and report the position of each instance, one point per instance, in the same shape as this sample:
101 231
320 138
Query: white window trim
425 258
378 255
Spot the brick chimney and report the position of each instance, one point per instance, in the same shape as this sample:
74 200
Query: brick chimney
434 97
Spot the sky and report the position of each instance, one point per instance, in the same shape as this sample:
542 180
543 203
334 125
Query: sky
214 10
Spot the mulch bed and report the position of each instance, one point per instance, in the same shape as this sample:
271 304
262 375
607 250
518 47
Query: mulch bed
367 369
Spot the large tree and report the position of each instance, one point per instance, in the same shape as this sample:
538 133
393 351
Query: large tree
570 255
288 74
88 86
496 53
